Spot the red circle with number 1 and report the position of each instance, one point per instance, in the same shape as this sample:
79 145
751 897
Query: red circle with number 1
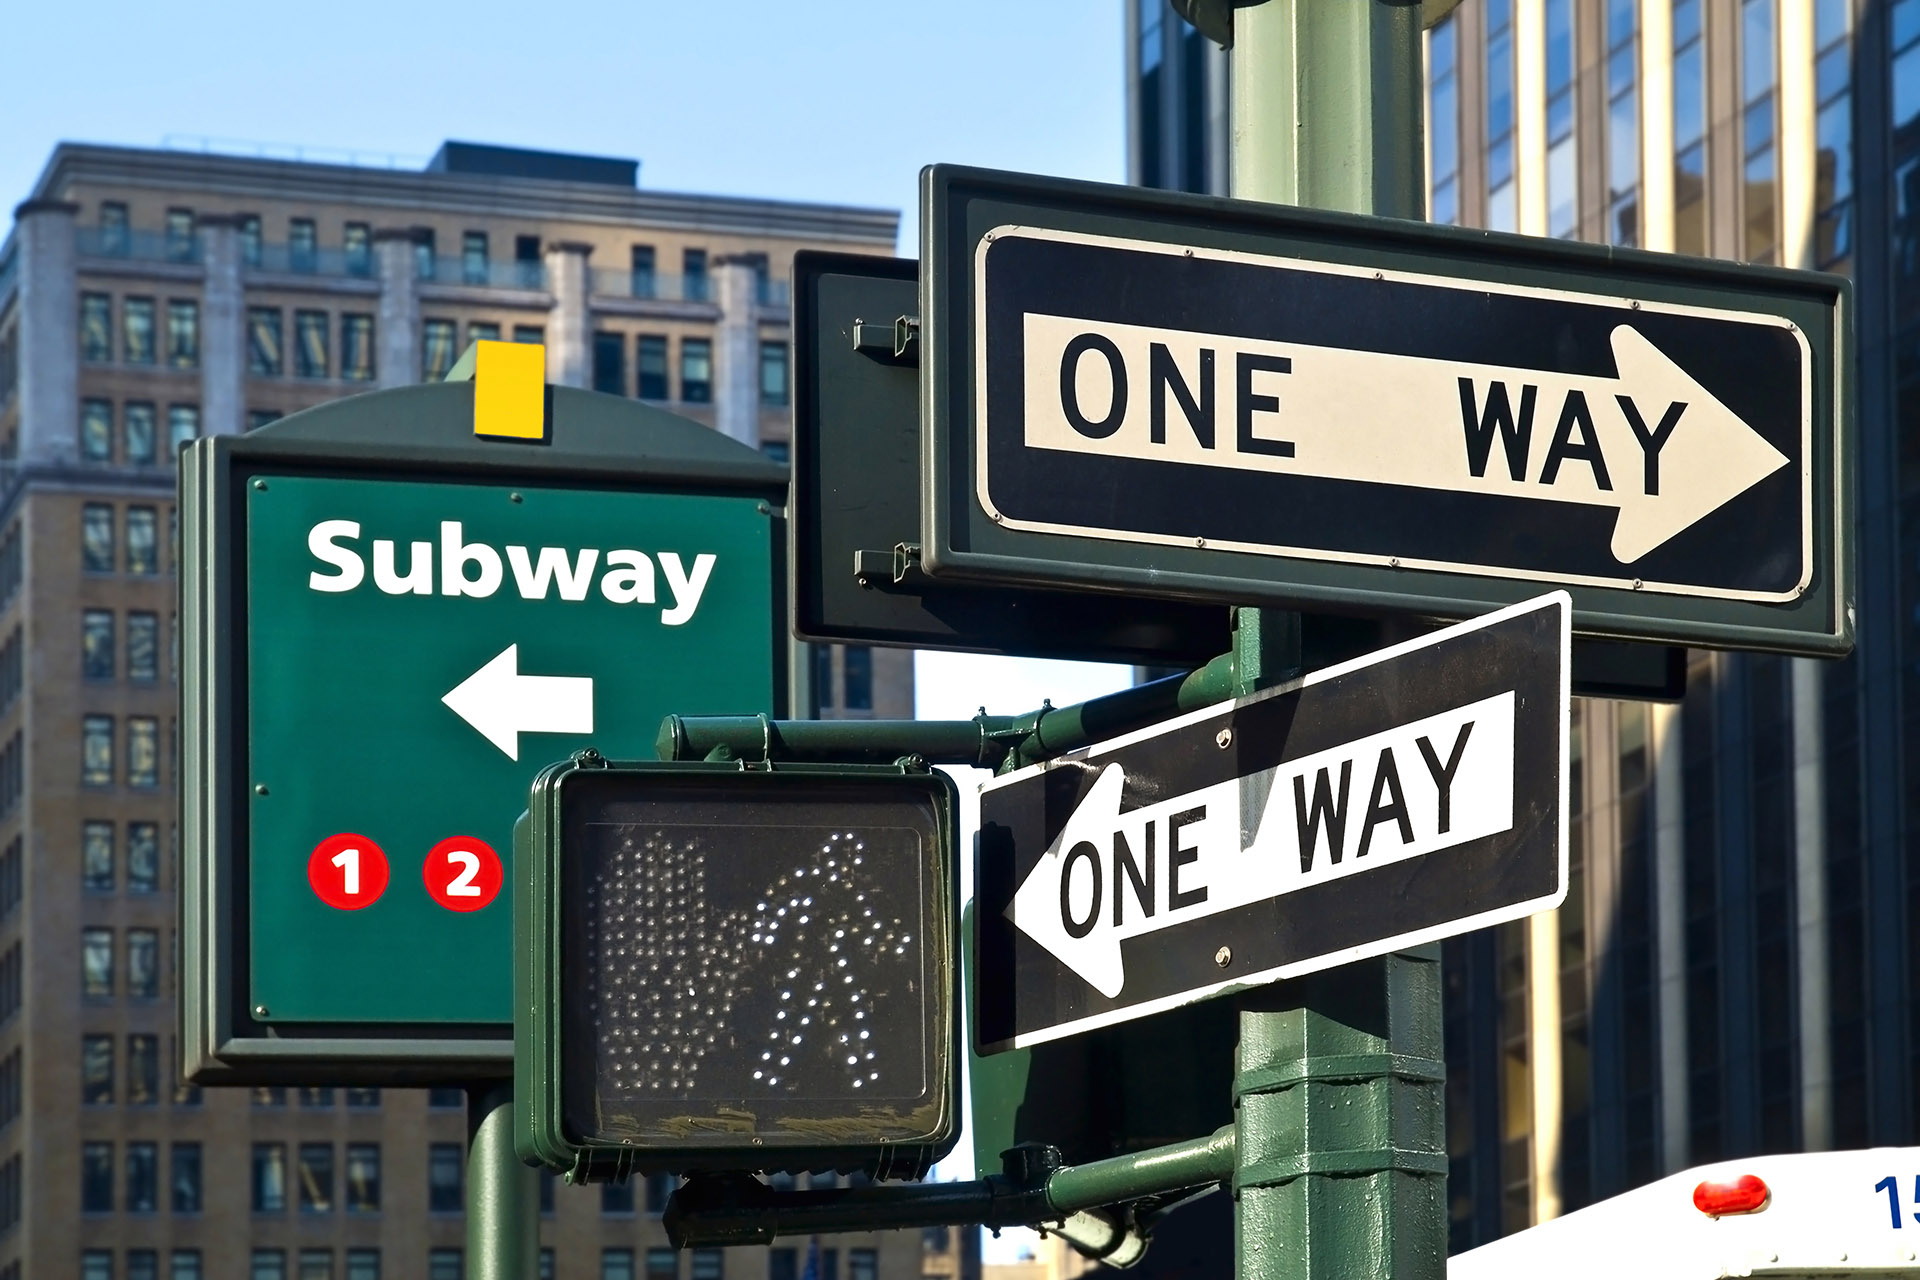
463 874
347 871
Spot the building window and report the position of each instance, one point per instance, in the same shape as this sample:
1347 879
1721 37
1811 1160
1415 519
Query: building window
303 245
96 751
316 1177
445 1264
96 1264
546 1263
183 333
314 1097
1152 55
266 349
96 430
143 1070
857 673
363 1264
1502 202
136 330
96 963
526 262
776 451
1563 178
316 1264
1689 129
143 751
616 1264
269 1177
662 1264
659 1190
363 1177
310 358
96 538
269 1264
270 1095
185 1265
180 235
96 1070
357 242
258 418
610 363
711 1264
137 422
445 1099
143 964
1757 79
1443 121
96 1177
143 857
250 239
424 263
1833 135
96 855
445 1162
114 239
143 1177
143 548
363 1099
1623 122
862 1264
616 1197
356 348
773 374
96 644
693 271
143 645
96 327
650 358
143 1264
185 1177
183 427
696 370
436 348
473 257
643 271
783 1264
529 333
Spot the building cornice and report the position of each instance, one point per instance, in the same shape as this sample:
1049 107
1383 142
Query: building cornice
414 192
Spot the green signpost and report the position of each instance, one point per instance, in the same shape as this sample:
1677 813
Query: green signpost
390 627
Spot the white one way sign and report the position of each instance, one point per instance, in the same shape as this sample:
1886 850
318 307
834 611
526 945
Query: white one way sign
1413 794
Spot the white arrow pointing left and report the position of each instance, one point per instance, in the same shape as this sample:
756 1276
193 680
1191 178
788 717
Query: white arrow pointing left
503 704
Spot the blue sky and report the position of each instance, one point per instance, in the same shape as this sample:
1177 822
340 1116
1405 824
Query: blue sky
801 99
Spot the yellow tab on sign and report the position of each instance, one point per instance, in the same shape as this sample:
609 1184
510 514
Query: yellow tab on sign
509 390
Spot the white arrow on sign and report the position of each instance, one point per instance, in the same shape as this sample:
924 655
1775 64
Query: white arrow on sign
1650 442
503 704
1410 790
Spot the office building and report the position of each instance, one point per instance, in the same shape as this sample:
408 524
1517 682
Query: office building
1735 969
151 296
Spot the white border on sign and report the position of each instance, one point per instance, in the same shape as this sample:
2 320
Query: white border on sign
1625 581
1516 911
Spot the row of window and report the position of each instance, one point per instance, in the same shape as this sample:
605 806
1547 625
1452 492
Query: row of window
650 363
182 1264
97 540
12 886
99 856
314 1178
13 987
101 1192
141 342
316 1098
98 1073
439 342
100 648
13 772
98 757
97 963
312 357
139 435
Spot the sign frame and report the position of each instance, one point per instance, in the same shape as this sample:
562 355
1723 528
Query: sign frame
1066 990
962 541
419 433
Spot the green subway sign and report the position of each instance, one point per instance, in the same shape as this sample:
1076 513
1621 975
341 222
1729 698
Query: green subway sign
380 657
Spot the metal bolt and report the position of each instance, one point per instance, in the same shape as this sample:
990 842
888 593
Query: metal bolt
259 484
259 1011
763 508
514 497
1223 739
1635 304
1189 253
259 788
1393 562
1199 542
998 518
862 580
1379 275
1636 584
1223 957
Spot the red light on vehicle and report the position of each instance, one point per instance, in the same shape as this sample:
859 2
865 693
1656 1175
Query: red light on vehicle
1744 1194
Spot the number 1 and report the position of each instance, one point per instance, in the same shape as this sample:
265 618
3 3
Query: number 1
1892 1189
348 860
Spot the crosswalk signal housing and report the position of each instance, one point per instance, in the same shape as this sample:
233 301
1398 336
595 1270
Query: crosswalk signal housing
730 968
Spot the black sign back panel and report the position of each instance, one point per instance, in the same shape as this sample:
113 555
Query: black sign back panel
1768 568
1025 995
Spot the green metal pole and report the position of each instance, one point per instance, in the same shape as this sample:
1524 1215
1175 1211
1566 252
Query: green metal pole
503 1195
1340 1158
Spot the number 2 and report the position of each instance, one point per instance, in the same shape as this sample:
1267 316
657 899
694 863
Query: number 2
348 860
462 885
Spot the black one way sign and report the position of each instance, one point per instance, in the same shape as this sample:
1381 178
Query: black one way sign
1413 794
1207 399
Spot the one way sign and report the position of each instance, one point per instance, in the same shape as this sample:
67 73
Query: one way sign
1413 794
1202 399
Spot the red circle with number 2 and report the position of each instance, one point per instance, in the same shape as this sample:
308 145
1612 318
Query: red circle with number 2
347 871
463 874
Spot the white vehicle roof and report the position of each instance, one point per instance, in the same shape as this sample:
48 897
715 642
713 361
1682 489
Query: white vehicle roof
1832 1214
